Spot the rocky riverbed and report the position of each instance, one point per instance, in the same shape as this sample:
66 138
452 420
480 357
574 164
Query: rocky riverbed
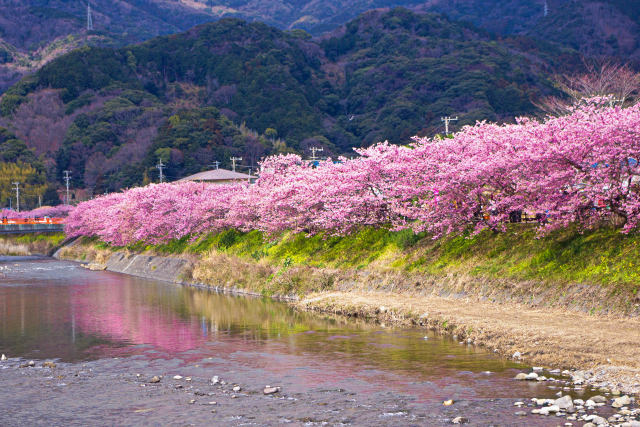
138 390
609 407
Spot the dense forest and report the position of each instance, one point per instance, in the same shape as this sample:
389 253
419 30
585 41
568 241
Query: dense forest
384 76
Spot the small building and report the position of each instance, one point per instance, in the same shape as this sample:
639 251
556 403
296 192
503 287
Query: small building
220 176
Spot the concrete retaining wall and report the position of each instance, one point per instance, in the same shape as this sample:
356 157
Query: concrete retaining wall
151 267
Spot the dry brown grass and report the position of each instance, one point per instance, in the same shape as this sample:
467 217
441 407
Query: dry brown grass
226 271
220 270
11 248
34 245
83 252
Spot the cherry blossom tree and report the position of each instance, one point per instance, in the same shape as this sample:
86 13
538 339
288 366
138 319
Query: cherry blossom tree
581 168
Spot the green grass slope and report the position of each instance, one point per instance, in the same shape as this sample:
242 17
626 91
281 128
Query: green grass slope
604 257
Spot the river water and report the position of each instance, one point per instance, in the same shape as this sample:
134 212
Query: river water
51 309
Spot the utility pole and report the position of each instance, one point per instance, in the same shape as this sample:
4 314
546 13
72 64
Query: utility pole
446 121
89 18
161 166
17 184
216 164
39 200
233 162
613 100
314 150
67 178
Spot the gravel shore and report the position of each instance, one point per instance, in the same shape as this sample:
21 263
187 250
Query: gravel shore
141 391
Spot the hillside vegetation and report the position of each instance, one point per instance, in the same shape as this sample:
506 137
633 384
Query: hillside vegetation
594 27
18 163
386 76
33 32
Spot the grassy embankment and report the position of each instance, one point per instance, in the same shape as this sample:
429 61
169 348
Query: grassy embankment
30 243
598 271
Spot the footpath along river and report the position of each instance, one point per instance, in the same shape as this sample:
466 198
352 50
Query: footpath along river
109 334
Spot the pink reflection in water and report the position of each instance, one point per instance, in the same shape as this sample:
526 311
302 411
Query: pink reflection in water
120 313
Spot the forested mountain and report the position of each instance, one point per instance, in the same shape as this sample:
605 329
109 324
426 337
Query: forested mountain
593 27
32 32
386 75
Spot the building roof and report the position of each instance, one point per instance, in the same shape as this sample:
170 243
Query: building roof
218 175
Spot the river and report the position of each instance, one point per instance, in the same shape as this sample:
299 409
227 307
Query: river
123 329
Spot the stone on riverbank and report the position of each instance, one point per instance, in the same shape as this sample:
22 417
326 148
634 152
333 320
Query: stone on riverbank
154 379
270 390
3 358
565 403
549 409
619 402
596 419
521 376
94 266
460 420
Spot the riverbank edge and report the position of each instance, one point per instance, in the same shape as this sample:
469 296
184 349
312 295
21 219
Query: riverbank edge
352 295
40 244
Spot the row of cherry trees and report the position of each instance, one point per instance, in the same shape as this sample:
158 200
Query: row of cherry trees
581 168
59 211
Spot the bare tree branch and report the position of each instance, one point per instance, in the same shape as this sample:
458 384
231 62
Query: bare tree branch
602 78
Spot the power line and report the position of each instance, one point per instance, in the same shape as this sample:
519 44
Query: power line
446 121
67 178
17 184
233 162
160 167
